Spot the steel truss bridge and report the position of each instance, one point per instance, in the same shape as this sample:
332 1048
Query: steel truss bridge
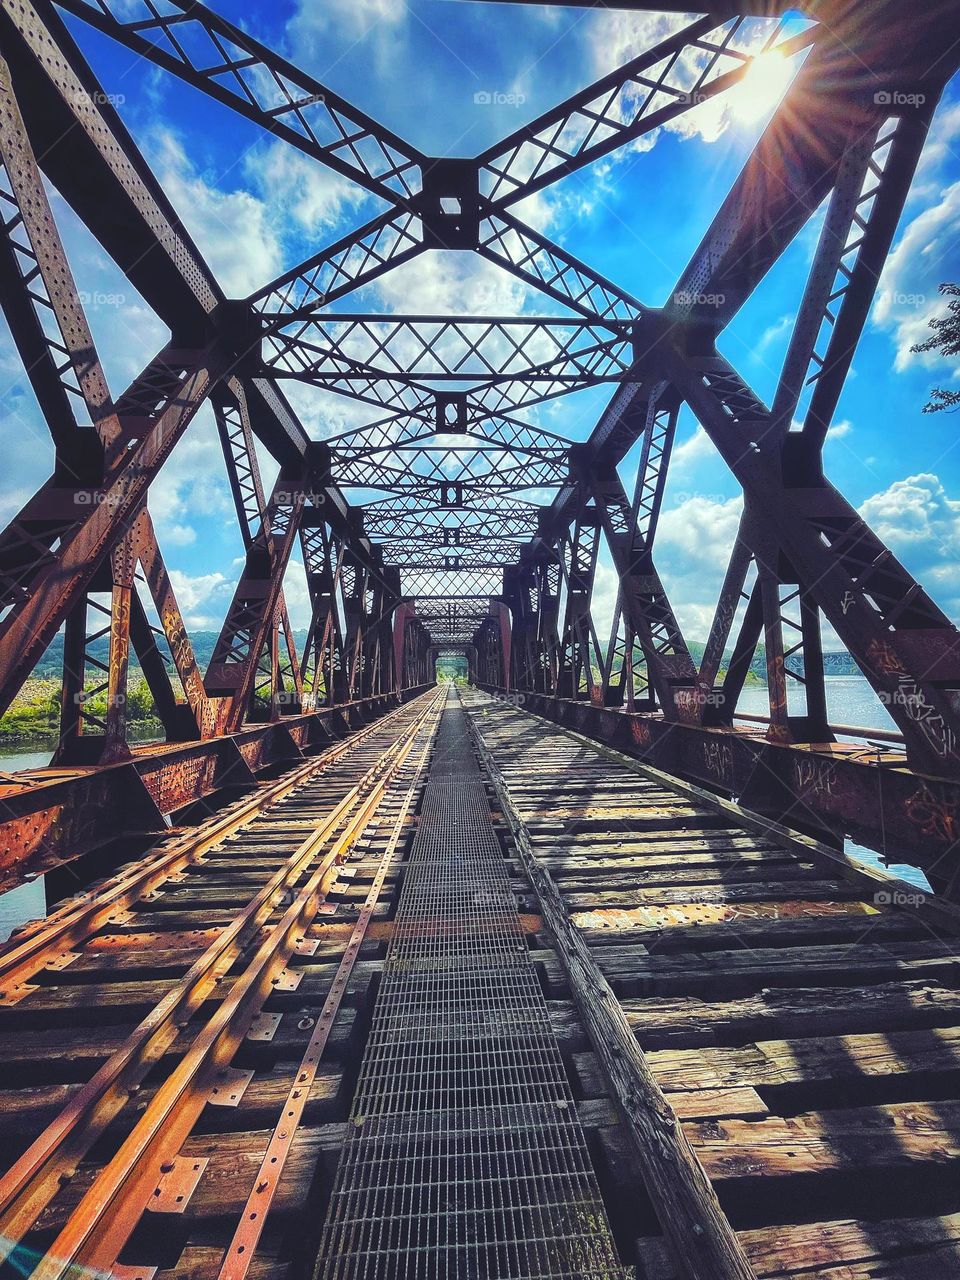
451 523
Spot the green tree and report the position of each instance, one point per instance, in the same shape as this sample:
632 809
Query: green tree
945 339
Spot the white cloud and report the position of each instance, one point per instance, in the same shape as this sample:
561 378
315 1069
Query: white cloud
453 283
921 525
924 256
192 486
692 450
694 541
296 595
203 598
294 186
614 38
773 332
233 229
354 18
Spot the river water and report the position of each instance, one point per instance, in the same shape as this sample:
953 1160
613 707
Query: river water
850 701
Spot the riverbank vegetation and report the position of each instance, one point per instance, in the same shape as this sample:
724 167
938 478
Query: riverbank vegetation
34 715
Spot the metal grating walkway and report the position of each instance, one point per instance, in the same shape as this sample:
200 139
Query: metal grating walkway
465 1157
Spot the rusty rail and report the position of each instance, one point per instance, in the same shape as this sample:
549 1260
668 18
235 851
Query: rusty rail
123 1184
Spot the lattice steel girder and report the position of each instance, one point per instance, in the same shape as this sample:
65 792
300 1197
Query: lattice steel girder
494 397
906 646
890 164
450 490
422 523
324 669
243 471
843 88
162 593
696 63
453 348
534 258
89 522
354 260
398 236
253 611
243 468
423 554
220 59
658 435
828 108
38 286
450 427
642 595
449 584
457 462
87 154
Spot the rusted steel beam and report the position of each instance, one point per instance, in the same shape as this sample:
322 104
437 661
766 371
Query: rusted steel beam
54 816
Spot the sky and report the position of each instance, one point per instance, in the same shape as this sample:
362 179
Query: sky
452 78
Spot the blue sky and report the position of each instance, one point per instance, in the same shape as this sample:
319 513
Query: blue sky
256 207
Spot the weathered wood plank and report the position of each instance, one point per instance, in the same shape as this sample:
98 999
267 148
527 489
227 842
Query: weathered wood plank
632 971
900 1249
686 1021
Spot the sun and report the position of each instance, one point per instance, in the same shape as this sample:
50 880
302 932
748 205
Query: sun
762 87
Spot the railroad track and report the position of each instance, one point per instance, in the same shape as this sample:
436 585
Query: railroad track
471 995
145 1014
799 1015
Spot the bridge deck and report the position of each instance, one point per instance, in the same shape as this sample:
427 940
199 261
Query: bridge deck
235 1041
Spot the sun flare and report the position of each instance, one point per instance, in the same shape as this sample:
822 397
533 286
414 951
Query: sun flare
762 87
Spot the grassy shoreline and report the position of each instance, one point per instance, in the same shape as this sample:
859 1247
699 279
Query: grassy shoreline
34 715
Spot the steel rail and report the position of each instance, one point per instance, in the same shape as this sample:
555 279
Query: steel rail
101 1224
35 1177
54 937
242 1248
